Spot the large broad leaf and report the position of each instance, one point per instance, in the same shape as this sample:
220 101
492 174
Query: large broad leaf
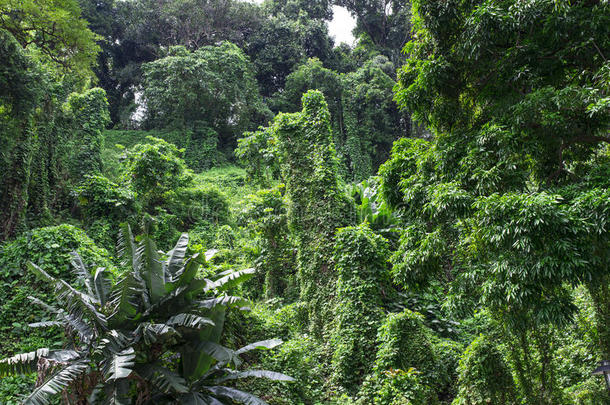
189 271
228 301
58 381
175 260
153 332
152 269
263 344
196 362
82 272
125 299
77 324
24 363
235 395
76 303
196 398
221 354
127 248
232 279
119 365
117 392
101 285
189 321
270 375
167 381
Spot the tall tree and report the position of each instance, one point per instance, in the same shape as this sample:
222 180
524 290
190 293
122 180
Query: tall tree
55 29
210 94
506 202
383 24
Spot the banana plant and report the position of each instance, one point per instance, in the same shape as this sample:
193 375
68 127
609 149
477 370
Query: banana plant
151 337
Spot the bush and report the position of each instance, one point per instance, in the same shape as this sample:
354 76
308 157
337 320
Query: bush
154 169
302 358
49 247
399 387
484 376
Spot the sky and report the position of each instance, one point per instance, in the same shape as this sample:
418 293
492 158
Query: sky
341 26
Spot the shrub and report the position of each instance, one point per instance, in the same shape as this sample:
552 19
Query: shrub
154 169
50 247
484 376
151 337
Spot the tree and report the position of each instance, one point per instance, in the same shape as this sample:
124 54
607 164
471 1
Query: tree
494 203
54 29
316 204
154 169
371 120
384 25
281 44
210 94
89 112
149 331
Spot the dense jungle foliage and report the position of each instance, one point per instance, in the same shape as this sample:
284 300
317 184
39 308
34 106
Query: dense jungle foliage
211 202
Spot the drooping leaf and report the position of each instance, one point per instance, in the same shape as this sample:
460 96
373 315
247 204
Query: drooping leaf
270 375
263 344
236 395
58 381
24 363
118 365
189 321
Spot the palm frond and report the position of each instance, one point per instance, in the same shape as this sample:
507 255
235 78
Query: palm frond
58 381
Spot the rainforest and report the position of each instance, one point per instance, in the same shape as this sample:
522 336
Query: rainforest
210 202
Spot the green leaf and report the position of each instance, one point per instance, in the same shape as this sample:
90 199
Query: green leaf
270 375
176 257
119 365
58 381
24 363
189 321
236 395
263 344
